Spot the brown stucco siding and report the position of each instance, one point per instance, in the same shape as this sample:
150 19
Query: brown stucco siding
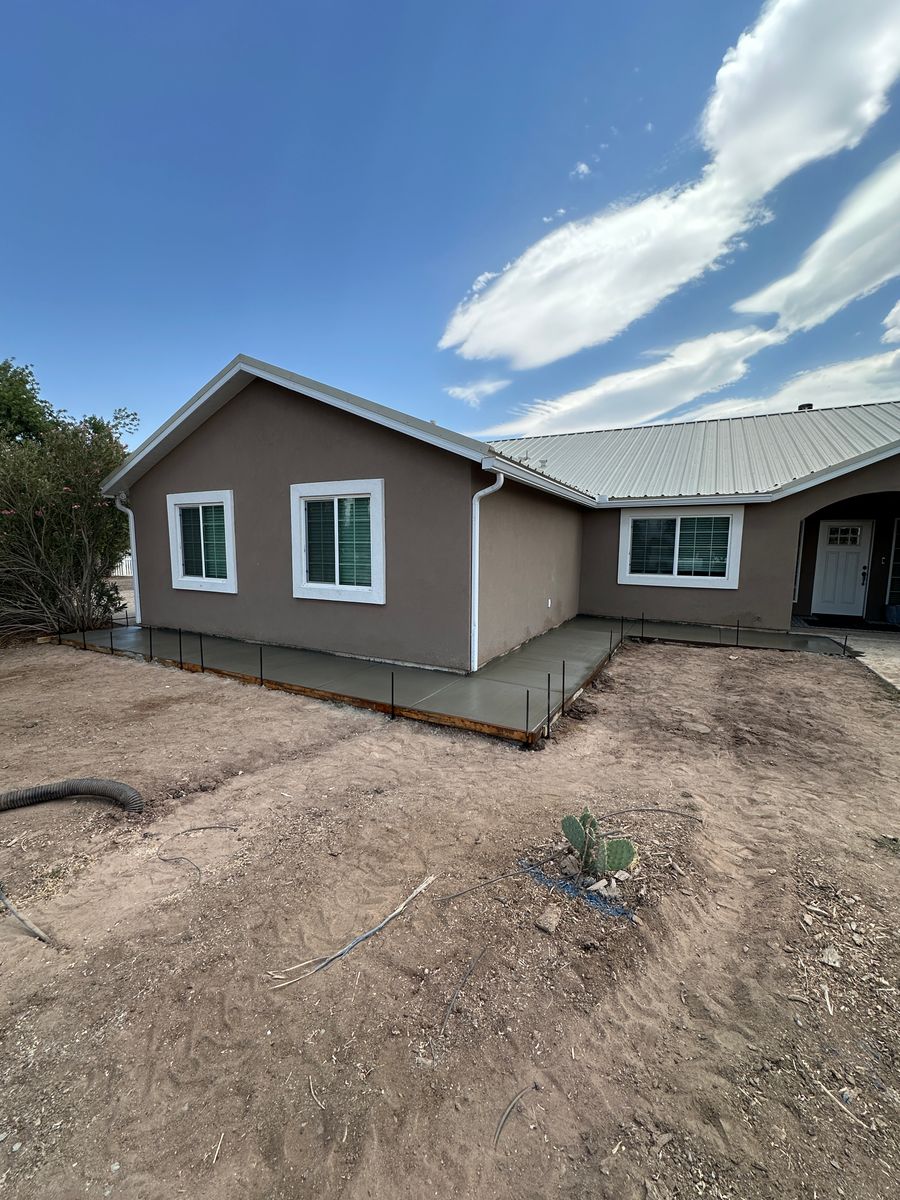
764 597
260 443
530 553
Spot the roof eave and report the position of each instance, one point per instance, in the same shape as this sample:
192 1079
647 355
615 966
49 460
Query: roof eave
241 371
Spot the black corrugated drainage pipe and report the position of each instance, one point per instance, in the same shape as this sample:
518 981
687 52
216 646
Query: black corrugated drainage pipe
106 789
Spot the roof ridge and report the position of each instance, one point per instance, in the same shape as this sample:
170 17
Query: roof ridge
700 421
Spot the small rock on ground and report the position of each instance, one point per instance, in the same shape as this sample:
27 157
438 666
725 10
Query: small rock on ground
549 918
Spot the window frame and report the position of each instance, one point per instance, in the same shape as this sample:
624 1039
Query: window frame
196 583
336 489
730 580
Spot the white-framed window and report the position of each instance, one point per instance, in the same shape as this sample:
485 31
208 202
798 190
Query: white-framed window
681 547
201 541
337 540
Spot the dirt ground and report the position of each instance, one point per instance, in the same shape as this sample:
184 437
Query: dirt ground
741 1040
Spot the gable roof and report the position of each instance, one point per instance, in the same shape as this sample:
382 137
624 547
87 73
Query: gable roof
761 457
737 458
242 370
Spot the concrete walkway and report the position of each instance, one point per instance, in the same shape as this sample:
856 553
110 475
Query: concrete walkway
877 649
515 696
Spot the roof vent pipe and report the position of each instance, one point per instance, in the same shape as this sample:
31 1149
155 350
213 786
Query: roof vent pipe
804 408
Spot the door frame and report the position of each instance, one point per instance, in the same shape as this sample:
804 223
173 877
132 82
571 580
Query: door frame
868 522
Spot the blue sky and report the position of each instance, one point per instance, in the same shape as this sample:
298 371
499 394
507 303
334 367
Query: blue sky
320 185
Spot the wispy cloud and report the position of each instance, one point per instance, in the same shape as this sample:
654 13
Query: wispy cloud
775 108
648 128
580 171
857 253
857 381
473 393
681 374
891 325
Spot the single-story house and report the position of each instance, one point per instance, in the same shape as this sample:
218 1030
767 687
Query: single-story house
277 509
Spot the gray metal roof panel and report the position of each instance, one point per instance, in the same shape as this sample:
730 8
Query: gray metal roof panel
734 456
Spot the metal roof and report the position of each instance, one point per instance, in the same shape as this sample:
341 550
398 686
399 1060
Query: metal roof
735 456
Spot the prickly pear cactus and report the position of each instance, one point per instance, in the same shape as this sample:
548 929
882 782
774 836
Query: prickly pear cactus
574 831
597 855
620 855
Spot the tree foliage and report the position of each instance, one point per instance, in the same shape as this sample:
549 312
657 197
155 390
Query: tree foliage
24 415
59 537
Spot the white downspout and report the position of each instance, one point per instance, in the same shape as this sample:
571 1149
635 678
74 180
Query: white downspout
134 562
476 564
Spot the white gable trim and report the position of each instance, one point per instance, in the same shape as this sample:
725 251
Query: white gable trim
478 452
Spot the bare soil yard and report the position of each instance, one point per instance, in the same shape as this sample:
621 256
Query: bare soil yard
742 1040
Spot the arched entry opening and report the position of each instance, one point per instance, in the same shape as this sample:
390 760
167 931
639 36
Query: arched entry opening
848 562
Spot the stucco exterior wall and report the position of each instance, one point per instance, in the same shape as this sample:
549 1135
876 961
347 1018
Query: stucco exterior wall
764 597
258 444
530 554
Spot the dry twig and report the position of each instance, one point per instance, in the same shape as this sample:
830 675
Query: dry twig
177 858
512 1104
843 1107
32 929
312 1092
325 960
472 965
218 1148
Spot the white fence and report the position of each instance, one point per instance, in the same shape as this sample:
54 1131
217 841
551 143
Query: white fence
123 569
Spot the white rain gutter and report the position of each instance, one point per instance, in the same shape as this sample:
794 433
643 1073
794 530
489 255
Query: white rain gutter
134 562
476 564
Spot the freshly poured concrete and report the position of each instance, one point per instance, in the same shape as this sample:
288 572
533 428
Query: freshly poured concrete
510 696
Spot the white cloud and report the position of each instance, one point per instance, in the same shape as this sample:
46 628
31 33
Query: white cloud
857 381
891 325
648 128
580 171
775 107
473 393
857 253
688 370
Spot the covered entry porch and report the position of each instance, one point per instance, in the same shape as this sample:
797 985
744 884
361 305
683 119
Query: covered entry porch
848 563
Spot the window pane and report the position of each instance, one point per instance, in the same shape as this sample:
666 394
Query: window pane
703 546
320 541
652 546
215 565
191 547
354 541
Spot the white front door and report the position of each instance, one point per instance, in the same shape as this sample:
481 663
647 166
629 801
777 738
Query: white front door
842 568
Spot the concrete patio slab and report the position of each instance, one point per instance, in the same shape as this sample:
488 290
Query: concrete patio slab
507 697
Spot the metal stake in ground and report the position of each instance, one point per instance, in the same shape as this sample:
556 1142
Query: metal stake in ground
642 626
180 655
548 704
150 631
527 713
737 633
110 640
622 631
83 639
200 636
260 665
392 695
